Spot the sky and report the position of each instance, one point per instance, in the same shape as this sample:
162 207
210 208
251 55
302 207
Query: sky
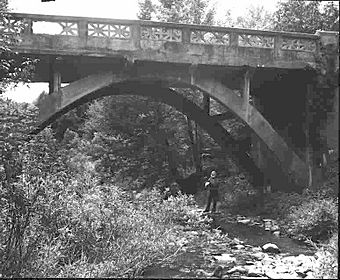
118 9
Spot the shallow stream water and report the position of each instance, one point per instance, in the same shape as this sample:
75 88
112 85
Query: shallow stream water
252 236
256 236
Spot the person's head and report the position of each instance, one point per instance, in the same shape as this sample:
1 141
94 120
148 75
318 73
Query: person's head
213 174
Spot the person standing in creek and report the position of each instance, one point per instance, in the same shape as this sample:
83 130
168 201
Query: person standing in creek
212 186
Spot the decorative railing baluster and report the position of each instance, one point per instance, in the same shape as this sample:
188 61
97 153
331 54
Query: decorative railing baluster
125 30
298 44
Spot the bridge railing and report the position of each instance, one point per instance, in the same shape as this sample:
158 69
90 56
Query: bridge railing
139 31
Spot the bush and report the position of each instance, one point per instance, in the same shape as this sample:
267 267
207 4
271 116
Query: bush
178 209
279 204
78 230
316 219
58 220
104 233
328 256
238 196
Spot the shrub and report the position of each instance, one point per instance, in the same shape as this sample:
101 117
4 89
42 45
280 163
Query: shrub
238 195
102 231
328 256
178 209
279 204
316 219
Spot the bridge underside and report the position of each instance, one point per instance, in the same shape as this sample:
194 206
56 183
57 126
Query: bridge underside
283 166
249 72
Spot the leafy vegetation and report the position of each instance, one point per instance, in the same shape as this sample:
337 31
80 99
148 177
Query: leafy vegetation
292 15
316 219
84 198
58 220
328 258
13 67
306 16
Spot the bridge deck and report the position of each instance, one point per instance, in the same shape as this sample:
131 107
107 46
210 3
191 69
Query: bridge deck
162 42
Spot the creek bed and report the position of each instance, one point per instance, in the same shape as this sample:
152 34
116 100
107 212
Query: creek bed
256 236
189 263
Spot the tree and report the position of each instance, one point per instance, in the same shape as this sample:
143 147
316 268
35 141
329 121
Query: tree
146 10
13 67
192 12
185 11
179 11
306 16
135 137
256 17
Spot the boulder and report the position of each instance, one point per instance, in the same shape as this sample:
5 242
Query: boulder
244 221
239 217
225 258
301 272
259 255
310 275
236 241
238 247
276 233
239 269
254 271
256 249
218 272
270 248
275 228
202 273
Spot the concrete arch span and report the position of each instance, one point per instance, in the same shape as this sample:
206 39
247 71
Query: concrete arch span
170 97
180 103
292 169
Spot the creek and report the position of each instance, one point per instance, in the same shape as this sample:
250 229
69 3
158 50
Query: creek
200 261
257 236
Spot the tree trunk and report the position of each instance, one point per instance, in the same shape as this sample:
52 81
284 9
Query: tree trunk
194 145
198 145
171 160
170 154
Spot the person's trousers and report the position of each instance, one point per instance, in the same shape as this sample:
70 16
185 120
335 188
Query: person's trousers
213 197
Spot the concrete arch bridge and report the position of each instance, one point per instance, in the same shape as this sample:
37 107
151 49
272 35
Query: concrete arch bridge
263 78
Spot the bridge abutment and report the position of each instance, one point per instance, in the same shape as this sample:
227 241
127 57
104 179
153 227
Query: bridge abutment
324 125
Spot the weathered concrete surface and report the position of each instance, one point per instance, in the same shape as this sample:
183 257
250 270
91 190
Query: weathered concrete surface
93 53
167 42
58 102
332 129
329 80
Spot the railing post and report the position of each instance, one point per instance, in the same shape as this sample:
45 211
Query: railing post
277 45
28 27
186 32
234 39
136 35
82 29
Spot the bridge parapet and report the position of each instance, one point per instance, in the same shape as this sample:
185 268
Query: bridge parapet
214 45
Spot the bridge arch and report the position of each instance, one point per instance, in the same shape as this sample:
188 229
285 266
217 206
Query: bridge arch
144 83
